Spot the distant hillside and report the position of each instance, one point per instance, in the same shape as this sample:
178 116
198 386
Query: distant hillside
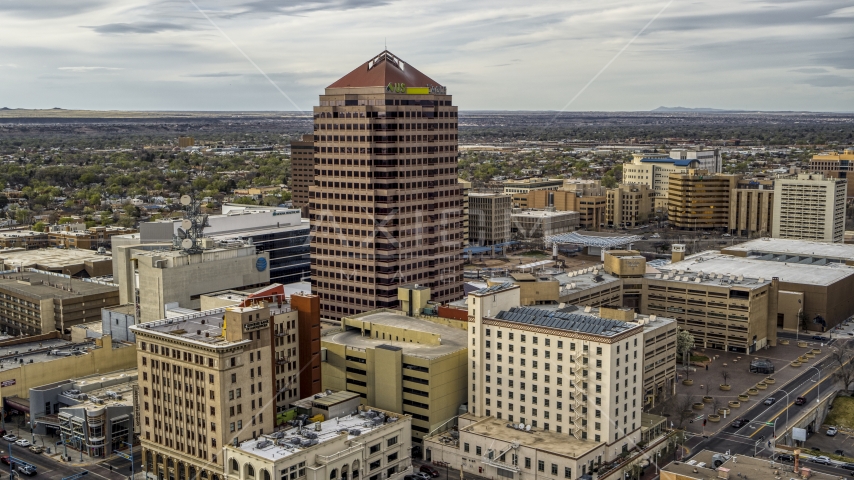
686 109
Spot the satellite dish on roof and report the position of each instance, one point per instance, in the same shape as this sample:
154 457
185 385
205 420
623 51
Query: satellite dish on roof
187 243
186 200
527 428
186 224
521 426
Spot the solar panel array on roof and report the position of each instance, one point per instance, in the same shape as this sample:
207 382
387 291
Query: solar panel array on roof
564 321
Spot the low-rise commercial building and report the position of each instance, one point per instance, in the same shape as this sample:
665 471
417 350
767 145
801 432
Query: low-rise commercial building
73 262
590 208
400 363
47 359
527 185
709 465
89 239
94 413
26 239
368 444
534 224
33 303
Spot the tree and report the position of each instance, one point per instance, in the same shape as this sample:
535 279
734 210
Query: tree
841 354
38 227
684 344
725 376
684 408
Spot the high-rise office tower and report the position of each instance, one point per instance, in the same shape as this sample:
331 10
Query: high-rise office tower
302 171
385 207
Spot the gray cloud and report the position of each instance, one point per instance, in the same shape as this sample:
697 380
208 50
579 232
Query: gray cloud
213 75
299 8
50 8
810 70
829 81
138 27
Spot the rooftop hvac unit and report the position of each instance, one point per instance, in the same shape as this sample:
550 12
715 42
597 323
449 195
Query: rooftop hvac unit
355 432
263 444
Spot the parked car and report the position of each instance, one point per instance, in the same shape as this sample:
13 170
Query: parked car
23 442
412 477
655 235
740 422
832 431
36 448
10 437
848 466
429 470
726 235
820 338
785 457
822 460
800 401
770 401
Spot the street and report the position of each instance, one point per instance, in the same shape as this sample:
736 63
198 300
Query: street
51 469
756 435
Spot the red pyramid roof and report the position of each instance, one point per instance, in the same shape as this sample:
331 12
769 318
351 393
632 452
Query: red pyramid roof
381 70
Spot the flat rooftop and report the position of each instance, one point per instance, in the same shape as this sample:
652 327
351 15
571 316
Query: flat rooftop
203 327
567 321
453 339
578 281
802 248
707 278
544 440
285 443
544 214
739 466
50 258
715 262
43 351
325 399
43 286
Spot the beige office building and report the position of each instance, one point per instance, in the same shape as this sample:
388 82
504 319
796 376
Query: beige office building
698 200
489 218
386 207
568 372
205 381
302 170
835 165
406 364
809 207
629 205
654 172
526 185
751 208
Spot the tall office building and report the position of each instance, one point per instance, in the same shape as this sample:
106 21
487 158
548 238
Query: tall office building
385 207
698 200
489 218
302 170
809 207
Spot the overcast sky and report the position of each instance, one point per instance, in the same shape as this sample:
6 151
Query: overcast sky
493 54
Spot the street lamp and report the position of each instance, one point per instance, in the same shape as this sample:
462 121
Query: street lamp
787 410
818 385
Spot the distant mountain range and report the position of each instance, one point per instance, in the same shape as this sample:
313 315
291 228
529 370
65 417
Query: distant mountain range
698 110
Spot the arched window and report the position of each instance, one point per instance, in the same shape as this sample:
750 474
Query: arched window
265 475
235 467
250 472
333 475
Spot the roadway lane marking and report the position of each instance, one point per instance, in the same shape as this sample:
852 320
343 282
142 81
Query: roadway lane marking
93 473
781 412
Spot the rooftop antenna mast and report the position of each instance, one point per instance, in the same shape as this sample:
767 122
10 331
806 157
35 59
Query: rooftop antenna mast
192 226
